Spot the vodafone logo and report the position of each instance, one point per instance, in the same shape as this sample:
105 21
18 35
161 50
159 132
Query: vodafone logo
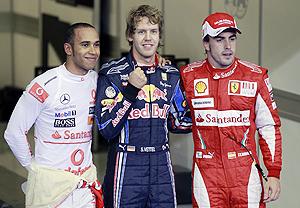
77 157
222 118
38 92
93 95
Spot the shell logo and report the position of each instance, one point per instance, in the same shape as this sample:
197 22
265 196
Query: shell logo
200 87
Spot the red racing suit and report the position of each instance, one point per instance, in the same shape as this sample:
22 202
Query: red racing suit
228 106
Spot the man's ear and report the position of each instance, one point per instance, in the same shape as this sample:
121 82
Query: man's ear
129 38
68 49
206 45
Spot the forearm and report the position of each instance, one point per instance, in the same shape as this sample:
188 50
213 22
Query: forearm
20 147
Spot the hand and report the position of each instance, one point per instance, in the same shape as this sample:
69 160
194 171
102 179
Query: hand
272 189
137 78
162 61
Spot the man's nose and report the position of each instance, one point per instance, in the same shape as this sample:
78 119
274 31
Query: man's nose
92 50
148 35
227 44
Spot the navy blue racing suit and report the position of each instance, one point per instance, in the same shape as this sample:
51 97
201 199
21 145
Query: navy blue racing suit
136 122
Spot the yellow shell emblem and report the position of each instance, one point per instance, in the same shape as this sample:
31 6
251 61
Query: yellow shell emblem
200 87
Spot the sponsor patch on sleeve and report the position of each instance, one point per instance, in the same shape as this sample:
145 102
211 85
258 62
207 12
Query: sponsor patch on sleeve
110 92
38 92
268 84
270 89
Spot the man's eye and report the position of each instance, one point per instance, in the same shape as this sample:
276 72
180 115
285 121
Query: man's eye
85 44
141 32
154 31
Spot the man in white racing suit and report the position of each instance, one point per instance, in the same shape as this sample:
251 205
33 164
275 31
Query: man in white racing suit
60 105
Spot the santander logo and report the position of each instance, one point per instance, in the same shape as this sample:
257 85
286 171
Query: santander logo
222 118
199 119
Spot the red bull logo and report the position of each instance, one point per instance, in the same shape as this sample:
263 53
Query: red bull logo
151 93
156 112
111 103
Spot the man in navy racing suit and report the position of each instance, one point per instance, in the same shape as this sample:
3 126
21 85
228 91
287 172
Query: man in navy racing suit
137 102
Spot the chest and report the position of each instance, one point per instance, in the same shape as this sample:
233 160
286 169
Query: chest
237 92
71 103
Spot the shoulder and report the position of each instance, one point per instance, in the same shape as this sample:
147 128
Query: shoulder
93 74
252 68
170 69
190 67
47 78
115 66
44 85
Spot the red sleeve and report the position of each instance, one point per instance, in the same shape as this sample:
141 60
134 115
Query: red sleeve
268 124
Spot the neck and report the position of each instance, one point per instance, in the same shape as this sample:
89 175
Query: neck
216 65
144 61
71 67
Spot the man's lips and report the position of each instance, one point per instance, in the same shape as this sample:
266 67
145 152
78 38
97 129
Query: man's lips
91 58
227 53
147 45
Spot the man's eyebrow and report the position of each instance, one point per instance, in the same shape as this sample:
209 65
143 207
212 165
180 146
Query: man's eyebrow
85 41
218 37
233 35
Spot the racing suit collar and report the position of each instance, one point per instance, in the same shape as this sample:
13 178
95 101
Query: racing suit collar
147 69
222 73
70 76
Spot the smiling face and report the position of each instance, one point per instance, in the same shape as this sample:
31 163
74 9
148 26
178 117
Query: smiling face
221 49
145 40
84 51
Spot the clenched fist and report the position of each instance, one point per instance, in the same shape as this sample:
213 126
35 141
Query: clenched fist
137 78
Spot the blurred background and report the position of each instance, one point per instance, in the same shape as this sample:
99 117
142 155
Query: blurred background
31 41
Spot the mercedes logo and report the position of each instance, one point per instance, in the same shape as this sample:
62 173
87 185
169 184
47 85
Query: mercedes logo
65 99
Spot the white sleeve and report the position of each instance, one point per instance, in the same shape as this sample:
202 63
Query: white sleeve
23 117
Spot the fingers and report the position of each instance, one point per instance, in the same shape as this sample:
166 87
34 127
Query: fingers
272 191
274 195
137 78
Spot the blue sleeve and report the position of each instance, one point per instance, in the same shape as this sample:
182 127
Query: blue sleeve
112 106
179 119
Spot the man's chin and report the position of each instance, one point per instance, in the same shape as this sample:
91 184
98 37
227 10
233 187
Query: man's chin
149 55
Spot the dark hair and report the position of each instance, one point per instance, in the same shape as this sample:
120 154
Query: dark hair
206 38
69 34
135 15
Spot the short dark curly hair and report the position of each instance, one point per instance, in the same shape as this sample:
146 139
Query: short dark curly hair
69 34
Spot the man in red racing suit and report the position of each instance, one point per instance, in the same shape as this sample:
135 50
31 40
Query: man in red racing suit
229 100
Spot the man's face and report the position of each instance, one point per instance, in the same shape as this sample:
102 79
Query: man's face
221 49
84 53
145 40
